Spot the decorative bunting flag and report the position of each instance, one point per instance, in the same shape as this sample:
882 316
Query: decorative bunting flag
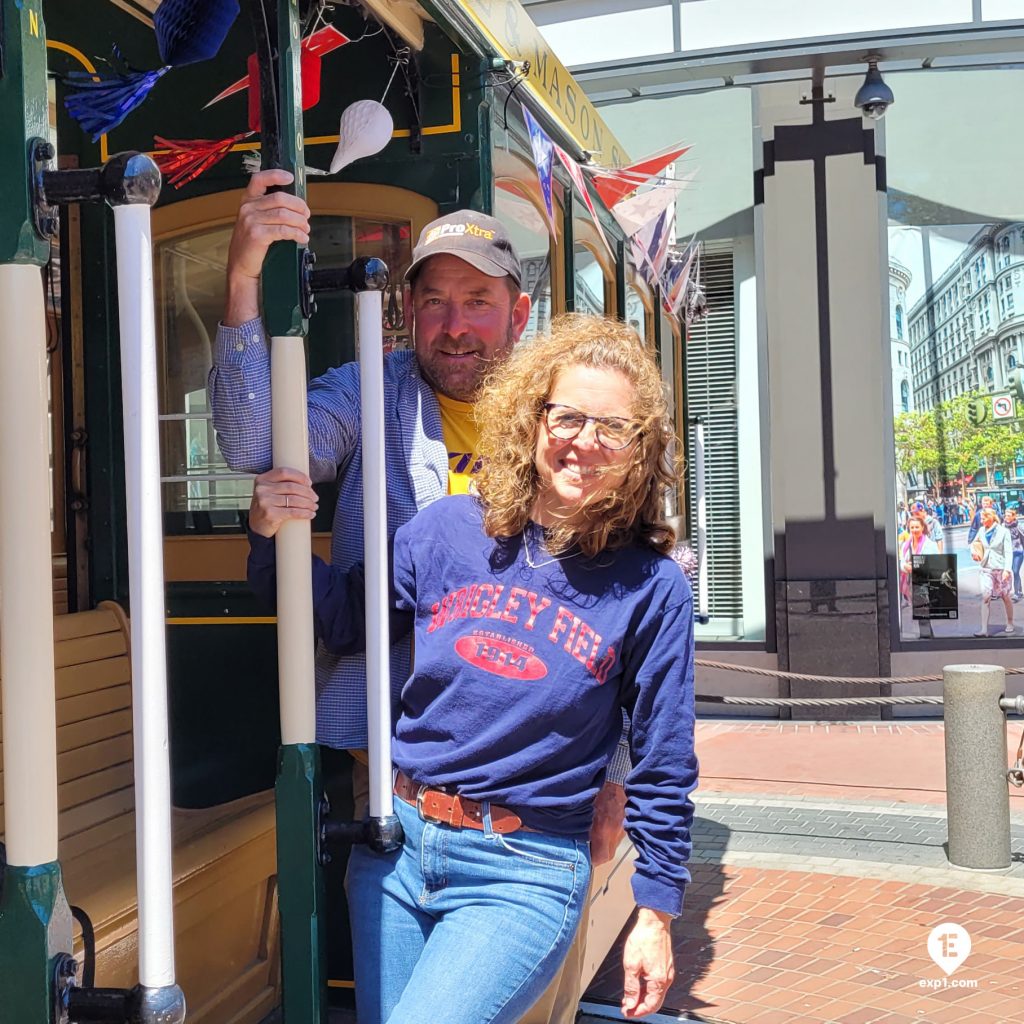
543 158
640 262
309 69
187 31
581 186
322 42
614 184
633 214
654 239
696 306
675 281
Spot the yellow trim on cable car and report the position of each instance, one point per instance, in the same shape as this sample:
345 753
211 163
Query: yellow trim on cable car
53 44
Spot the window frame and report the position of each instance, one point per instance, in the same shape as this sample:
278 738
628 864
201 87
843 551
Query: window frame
584 233
213 558
647 299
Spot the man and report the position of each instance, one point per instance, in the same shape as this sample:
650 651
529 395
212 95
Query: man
986 502
468 311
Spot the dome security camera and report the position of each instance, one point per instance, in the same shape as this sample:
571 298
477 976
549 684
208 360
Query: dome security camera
874 97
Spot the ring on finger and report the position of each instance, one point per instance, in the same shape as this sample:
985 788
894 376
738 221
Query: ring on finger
287 499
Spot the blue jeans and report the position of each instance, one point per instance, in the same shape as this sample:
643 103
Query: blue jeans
460 926
1018 558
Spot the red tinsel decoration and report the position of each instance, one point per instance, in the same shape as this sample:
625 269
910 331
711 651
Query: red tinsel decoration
188 158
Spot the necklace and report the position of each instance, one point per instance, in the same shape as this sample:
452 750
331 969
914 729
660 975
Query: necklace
536 565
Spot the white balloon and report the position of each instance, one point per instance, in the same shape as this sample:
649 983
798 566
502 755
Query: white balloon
366 128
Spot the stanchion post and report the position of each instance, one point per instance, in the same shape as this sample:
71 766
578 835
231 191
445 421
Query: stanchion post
702 520
977 795
160 998
299 787
35 922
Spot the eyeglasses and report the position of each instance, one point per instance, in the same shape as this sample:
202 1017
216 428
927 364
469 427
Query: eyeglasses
612 432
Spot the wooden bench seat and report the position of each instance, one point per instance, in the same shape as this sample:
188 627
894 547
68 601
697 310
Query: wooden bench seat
225 893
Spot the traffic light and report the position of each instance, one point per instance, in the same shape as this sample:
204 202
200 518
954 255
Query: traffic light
977 411
1015 382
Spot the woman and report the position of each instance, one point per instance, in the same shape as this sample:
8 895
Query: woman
542 607
992 549
917 543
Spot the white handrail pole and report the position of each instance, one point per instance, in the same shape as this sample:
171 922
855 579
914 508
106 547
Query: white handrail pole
369 325
146 592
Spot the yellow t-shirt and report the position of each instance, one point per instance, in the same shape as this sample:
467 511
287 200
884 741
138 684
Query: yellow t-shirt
462 440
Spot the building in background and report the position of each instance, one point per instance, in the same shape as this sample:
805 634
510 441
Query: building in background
857 274
967 330
899 338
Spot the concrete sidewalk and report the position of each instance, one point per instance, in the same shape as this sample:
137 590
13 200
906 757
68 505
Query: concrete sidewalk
819 872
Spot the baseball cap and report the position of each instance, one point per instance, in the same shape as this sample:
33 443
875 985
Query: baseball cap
474 237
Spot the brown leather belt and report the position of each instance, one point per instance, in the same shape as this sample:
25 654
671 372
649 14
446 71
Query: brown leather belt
458 811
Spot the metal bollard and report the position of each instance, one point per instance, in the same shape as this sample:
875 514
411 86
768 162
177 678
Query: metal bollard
977 794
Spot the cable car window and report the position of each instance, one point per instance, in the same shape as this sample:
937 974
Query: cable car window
190 303
589 280
636 312
201 494
530 236
640 307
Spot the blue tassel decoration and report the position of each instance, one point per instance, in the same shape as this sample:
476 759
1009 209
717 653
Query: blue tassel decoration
187 31
101 104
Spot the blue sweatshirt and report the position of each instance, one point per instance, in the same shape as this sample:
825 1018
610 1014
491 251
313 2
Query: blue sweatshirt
521 674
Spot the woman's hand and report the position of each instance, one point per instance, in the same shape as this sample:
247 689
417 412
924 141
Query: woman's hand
647 959
279 495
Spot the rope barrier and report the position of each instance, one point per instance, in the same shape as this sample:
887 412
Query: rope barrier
815 702
776 673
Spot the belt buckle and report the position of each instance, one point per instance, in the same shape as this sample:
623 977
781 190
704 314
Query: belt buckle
420 794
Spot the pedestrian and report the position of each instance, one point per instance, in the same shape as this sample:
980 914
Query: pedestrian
917 543
934 527
992 549
1016 530
901 516
985 502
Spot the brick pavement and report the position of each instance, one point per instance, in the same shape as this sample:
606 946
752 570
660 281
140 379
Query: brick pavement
816 885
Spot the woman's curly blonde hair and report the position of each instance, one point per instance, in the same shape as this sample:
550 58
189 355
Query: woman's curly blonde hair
509 414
